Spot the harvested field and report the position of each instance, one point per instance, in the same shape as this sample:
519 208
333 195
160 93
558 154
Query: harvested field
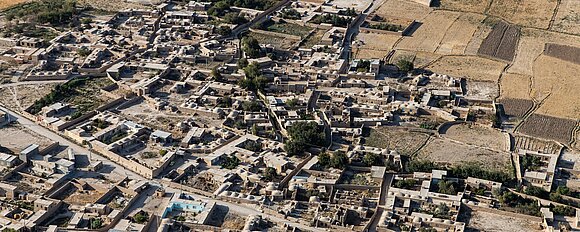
482 31
477 135
516 107
403 141
471 67
404 9
531 45
375 45
459 34
559 79
445 151
547 127
563 52
16 138
477 6
501 42
515 86
429 35
534 144
528 13
492 222
114 6
568 17
8 3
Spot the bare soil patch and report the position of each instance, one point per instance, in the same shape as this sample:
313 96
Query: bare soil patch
568 17
403 8
445 151
8 3
430 34
487 221
374 45
16 138
477 135
22 96
528 13
403 141
515 86
547 127
471 67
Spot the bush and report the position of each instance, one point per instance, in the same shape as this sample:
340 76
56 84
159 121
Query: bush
270 173
251 47
335 20
372 159
141 217
339 160
536 191
163 152
290 14
564 210
446 187
405 65
230 162
54 12
223 30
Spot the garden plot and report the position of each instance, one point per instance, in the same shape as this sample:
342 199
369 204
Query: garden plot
459 34
531 45
559 79
482 32
568 17
404 9
278 42
445 151
313 38
472 67
487 221
528 13
477 6
430 34
501 42
563 52
403 141
478 135
547 127
535 144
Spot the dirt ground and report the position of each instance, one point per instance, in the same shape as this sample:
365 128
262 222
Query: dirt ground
404 142
471 67
112 5
431 33
441 150
568 17
478 135
374 45
486 221
17 137
459 34
8 3
420 59
559 79
528 13
404 9
22 96
477 6
515 86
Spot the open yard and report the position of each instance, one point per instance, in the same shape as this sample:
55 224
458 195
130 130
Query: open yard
528 13
402 141
478 135
22 96
471 67
445 151
16 138
493 222
568 17
430 34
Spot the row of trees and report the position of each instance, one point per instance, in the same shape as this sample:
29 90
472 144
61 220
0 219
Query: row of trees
54 12
335 20
59 93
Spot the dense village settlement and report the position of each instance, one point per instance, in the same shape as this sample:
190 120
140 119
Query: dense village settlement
289 115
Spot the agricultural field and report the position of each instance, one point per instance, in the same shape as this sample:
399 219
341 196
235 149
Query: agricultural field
445 151
501 42
404 9
472 67
531 45
568 17
459 34
563 52
8 3
113 5
515 86
477 6
534 144
487 221
559 79
430 34
547 127
403 141
477 135
480 34
527 13
374 45
516 107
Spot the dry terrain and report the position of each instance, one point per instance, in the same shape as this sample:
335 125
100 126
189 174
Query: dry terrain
404 9
534 144
460 33
492 222
420 59
374 45
431 33
22 96
568 17
478 135
8 3
515 86
446 151
16 138
404 142
559 79
477 6
471 67
528 13
481 90
563 52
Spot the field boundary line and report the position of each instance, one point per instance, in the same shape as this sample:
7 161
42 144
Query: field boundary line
554 14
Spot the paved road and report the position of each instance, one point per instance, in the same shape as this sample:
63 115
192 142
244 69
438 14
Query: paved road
117 169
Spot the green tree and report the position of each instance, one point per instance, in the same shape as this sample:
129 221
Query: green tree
372 159
270 173
230 162
536 191
564 210
223 30
96 223
141 217
446 187
251 47
405 65
243 62
324 159
556 197
339 160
